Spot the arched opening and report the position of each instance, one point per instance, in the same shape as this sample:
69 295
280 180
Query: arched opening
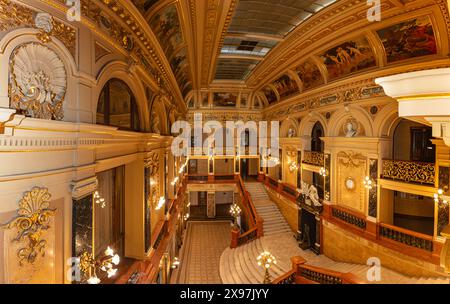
412 142
316 134
117 106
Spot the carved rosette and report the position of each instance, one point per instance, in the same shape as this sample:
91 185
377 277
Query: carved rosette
38 82
33 219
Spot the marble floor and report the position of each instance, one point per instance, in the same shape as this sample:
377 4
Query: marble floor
204 244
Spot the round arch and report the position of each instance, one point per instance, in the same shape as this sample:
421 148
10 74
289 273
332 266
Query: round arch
23 36
286 125
158 124
308 122
120 71
338 119
386 121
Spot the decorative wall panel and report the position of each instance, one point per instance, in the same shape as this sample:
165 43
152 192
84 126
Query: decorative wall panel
373 193
351 170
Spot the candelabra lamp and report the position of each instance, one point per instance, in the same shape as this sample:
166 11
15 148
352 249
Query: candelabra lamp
235 212
89 265
266 260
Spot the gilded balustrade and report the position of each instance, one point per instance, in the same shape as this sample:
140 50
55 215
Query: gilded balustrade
314 158
409 171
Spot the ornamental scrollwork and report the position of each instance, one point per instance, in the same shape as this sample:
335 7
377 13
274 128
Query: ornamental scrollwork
14 15
38 82
409 171
33 219
313 158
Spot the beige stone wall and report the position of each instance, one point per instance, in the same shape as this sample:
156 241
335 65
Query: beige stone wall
288 208
343 246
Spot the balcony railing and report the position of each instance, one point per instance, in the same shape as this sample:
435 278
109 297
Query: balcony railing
307 274
409 171
255 222
314 158
406 237
349 217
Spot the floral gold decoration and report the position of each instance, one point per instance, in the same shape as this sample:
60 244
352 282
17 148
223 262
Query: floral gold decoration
33 218
409 171
14 15
313 158
38 82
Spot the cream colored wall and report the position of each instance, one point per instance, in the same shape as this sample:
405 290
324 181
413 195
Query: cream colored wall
421 208
402 139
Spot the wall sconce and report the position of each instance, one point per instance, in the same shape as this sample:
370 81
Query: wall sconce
323 172
89 265
99 200
266 260
368 182
186 216
175 181
152 182
293 166
176 263
161 202
439 197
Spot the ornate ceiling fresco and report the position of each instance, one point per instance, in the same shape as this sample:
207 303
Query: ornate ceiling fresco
272 51
256 28
167 28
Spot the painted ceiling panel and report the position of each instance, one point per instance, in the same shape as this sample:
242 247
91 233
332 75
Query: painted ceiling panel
261 20
234 69
167 28
273 17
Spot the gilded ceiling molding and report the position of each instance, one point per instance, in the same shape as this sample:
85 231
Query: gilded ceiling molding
346 94
228 19
38 82
14 15
211 20
33 219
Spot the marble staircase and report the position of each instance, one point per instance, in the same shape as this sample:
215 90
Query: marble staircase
239 265
274 221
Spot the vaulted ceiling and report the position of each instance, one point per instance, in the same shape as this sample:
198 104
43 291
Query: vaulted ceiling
277 49
256 28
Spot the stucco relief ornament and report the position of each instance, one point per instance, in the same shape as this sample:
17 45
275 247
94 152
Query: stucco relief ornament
44 22
311 195
33 219
38 82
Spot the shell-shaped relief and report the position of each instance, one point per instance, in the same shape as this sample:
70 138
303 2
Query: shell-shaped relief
38 82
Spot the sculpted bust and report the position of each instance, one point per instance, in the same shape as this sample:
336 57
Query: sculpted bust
350 129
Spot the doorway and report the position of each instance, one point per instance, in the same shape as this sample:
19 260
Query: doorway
308 228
